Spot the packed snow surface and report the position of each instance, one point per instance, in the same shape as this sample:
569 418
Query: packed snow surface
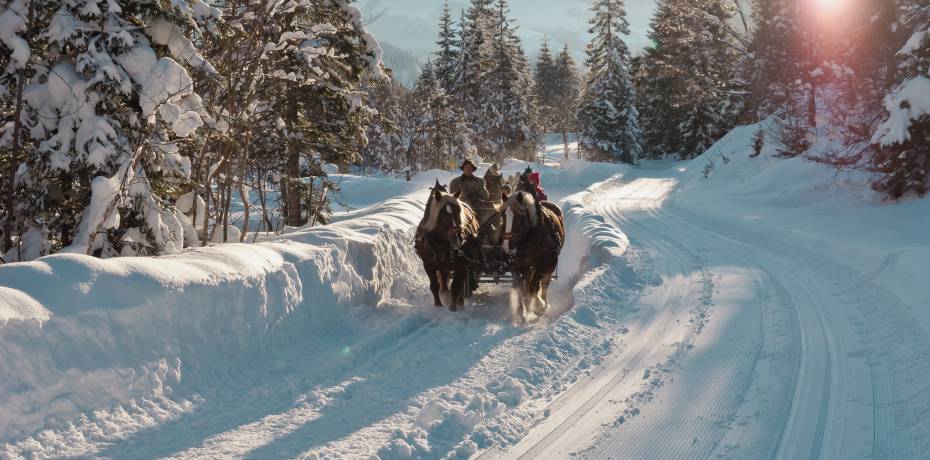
768 310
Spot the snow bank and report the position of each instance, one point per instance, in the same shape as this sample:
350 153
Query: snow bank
80 334
837 216
102 353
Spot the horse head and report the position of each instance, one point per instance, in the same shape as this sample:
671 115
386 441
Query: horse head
520 214
449 217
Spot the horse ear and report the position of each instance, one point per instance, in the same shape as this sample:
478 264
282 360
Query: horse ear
504 196
437 195
520 198
457 194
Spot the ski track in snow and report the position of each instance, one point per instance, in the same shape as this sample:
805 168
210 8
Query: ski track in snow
797 357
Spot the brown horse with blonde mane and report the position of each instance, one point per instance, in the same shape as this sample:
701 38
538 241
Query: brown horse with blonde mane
534 233
445 239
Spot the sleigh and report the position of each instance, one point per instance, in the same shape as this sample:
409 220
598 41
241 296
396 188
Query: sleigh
493 269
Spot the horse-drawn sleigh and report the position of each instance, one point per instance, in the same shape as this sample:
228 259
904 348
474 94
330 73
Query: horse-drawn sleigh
519 242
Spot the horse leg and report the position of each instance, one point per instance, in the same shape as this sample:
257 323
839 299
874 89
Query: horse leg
444 288
543 304
517 293
433 284
457 282
530 291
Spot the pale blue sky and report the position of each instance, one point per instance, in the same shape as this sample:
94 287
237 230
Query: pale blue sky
412 24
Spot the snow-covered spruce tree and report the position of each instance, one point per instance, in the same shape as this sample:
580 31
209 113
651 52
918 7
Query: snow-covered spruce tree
546 91
859 74
798 119
708 54
447 55
439 135
474 64
663 90
113 99
607 116
692 90
510 129
22 47
770 66
385 149
903 140
567 90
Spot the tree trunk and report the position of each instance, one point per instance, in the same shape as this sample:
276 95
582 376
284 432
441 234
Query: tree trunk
293 195
14 163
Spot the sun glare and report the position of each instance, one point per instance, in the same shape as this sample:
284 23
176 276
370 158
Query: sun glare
831 6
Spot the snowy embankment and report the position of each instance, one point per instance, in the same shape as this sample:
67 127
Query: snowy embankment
833 214
241 348
96 349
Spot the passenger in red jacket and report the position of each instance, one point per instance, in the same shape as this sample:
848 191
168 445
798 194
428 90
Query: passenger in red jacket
540 192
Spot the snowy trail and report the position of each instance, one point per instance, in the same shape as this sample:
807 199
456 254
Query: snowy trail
773 362
677 333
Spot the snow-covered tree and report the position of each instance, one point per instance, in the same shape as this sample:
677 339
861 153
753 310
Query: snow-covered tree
566 95
903 139
21 47
290 100
439 135
112 99
770 63
510 128
447 56
546 90
708 54
607 115
692 93
475 62
662 104
386 144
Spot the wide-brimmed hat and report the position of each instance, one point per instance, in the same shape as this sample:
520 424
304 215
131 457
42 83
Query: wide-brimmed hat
467 162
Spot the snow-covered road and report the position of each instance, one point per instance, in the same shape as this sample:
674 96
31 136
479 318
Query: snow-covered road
681 329
747 346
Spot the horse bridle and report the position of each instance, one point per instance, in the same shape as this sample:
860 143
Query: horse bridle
508 236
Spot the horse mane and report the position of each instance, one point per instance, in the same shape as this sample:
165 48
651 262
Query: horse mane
527 207
468 216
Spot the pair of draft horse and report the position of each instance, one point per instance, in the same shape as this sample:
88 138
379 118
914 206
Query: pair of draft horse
523 235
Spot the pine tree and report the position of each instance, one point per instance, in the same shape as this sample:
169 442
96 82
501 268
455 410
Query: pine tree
448 54
662 108
771 68
607 115
21 47
439 135
385 132
546 82
709 56
110 108
566 95
903 140
475 62
510 128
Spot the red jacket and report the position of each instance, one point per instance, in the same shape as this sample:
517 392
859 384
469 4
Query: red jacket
540 192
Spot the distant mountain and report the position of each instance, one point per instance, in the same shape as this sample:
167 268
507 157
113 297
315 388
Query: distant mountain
403 63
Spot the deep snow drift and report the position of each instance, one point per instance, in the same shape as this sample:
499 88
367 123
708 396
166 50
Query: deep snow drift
767 310
240 349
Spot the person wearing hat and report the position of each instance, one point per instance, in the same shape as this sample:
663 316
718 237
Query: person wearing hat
493 181
472 189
